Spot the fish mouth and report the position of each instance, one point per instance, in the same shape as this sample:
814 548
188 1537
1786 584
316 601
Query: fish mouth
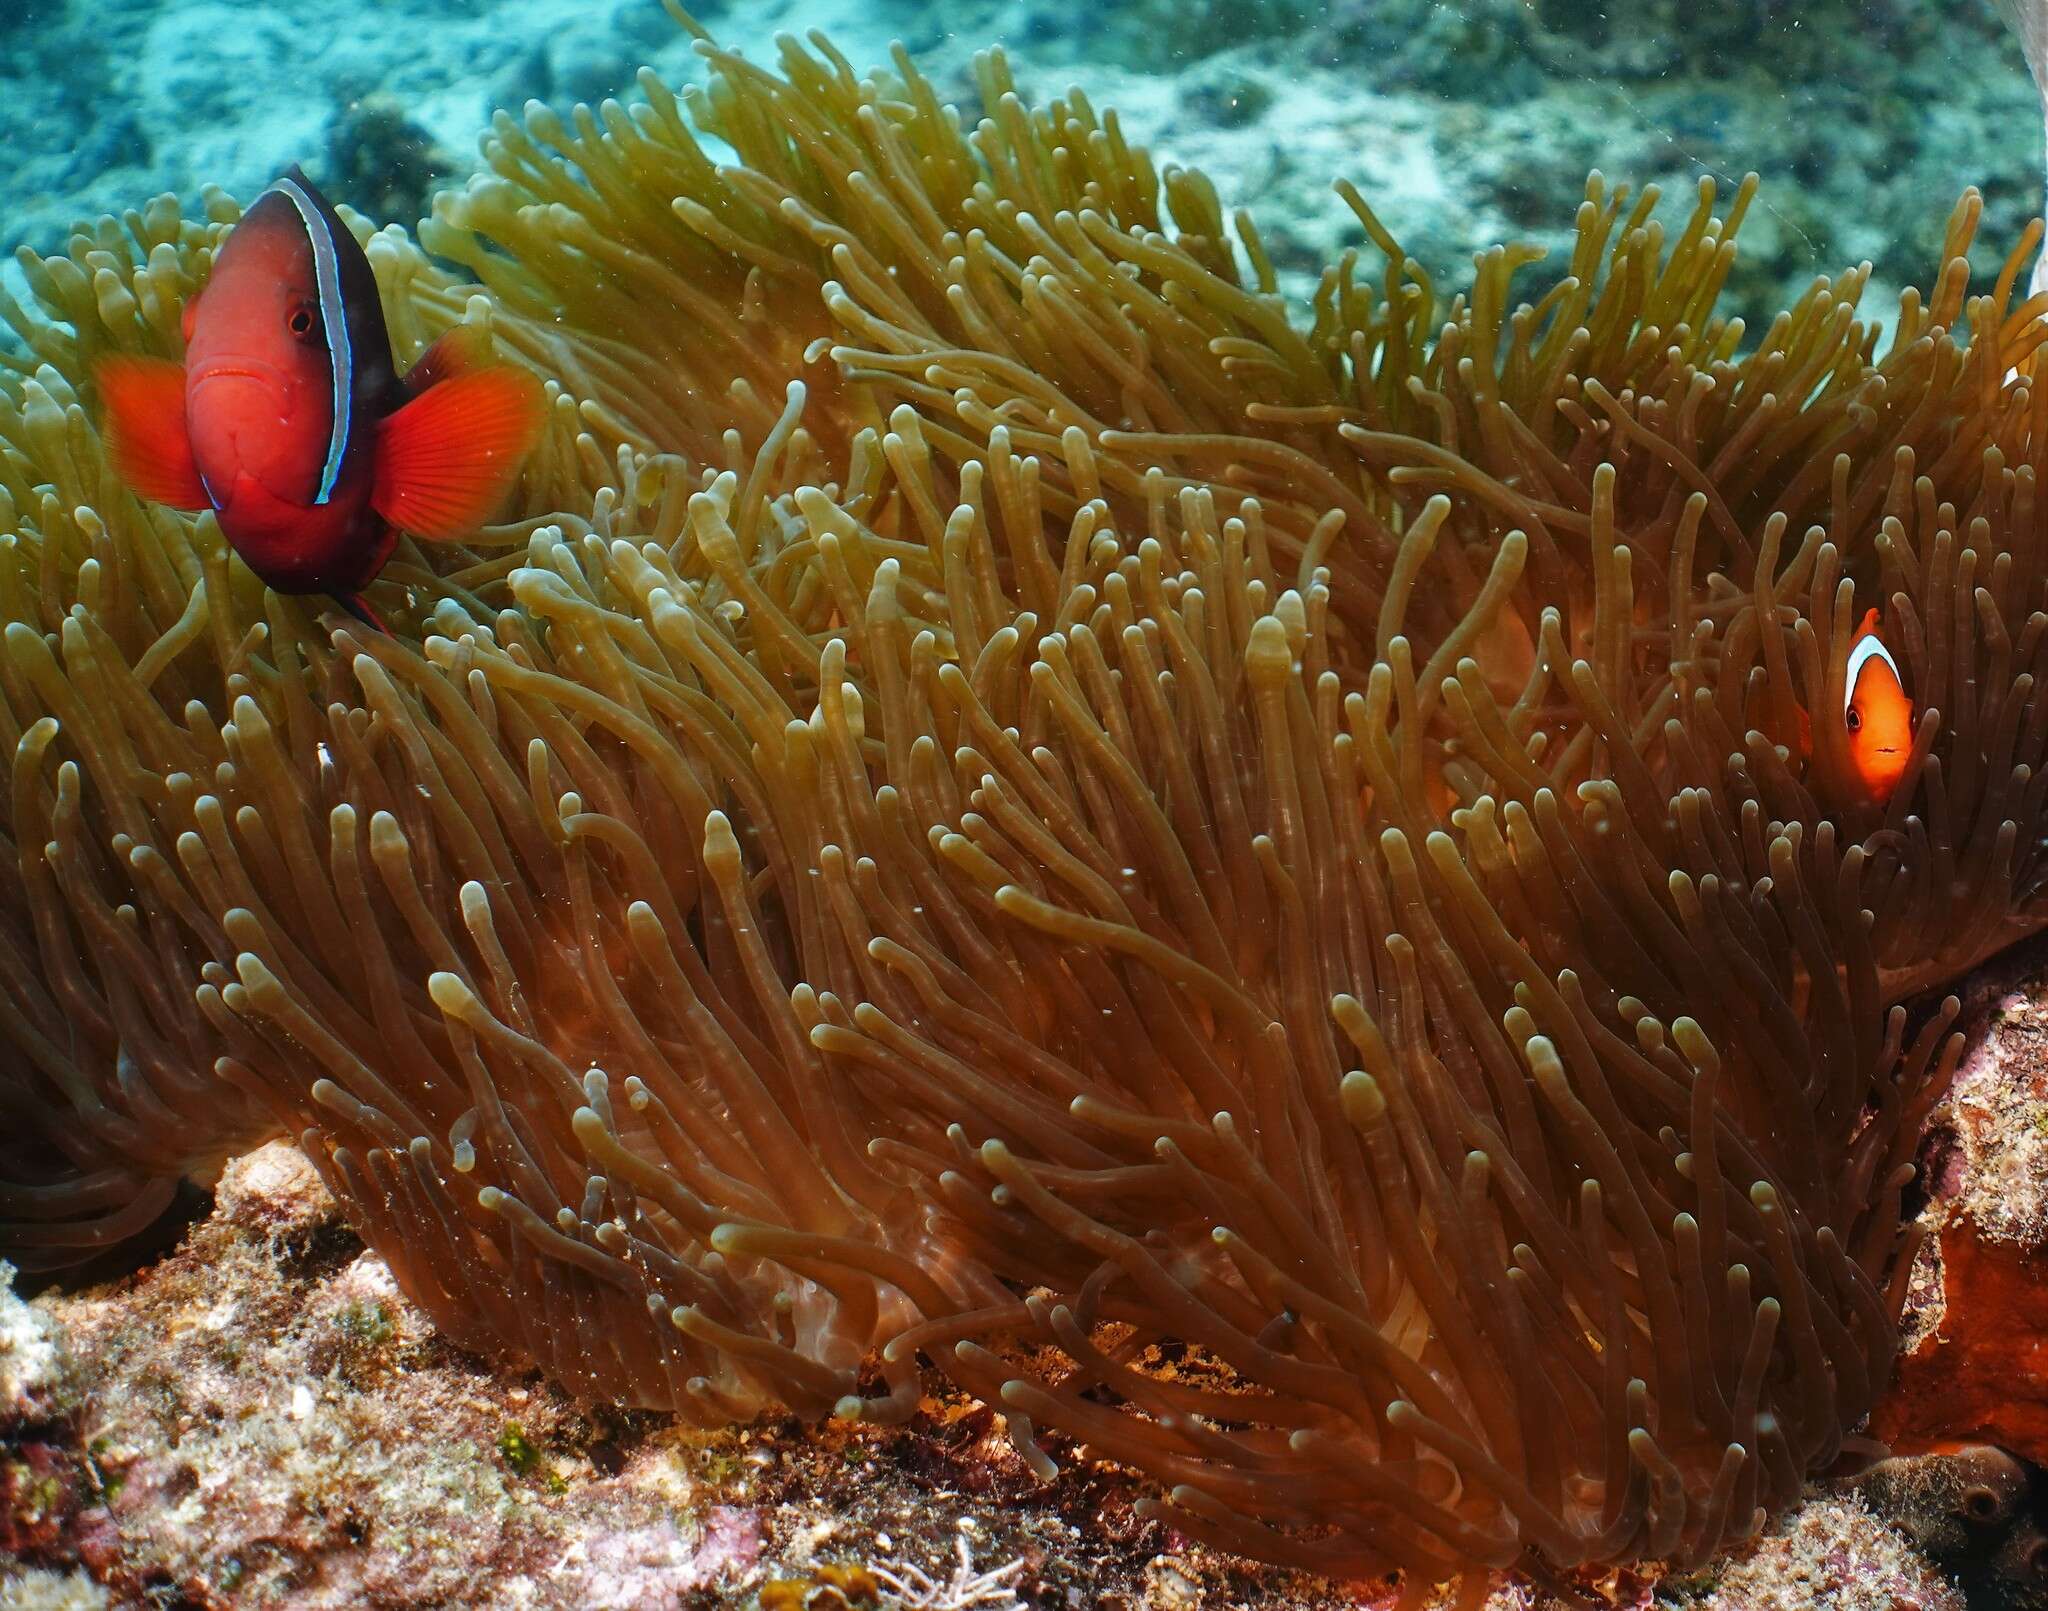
240 369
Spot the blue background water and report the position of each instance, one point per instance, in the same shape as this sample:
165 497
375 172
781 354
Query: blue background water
1464 121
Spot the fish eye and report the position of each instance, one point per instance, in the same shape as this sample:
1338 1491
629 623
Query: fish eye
1854 719
303 321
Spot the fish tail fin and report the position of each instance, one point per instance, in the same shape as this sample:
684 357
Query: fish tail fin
446 460
143 423
359 607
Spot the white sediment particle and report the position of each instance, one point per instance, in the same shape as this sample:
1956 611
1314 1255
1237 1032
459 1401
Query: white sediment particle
805 1543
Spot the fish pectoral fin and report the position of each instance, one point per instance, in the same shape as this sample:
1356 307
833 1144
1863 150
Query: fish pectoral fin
446 460
190 316
461 350
143 403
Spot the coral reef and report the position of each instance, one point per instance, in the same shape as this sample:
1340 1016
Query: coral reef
1831 1553
1975 1312
624 1510
1977 1373
38 1590
40 1404
33 1374
1248 893
1977 1511
1975 1316
1467 120
383 161
256 1440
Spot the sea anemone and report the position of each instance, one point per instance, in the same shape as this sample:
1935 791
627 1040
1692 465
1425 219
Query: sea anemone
1000 792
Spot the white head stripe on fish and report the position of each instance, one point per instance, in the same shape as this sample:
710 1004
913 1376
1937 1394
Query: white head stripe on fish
334 320
1868 648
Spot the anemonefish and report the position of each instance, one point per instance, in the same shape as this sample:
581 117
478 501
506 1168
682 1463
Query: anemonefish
289 420
1876 712
1876 720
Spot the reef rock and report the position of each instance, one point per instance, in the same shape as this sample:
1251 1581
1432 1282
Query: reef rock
1976 1361
261 1417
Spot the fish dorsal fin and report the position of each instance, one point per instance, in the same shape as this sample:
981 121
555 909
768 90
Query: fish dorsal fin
461 350
298 189
446 460
144 428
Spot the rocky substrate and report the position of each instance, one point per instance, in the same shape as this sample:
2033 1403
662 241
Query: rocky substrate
260 1418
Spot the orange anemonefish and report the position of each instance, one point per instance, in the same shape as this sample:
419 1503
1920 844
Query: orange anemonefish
1877 720
1876 712
289 420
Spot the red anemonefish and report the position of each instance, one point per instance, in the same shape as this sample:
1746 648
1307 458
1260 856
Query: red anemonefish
1877 719
1876 712
289 420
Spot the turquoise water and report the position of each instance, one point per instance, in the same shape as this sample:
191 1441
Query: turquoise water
1464 123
